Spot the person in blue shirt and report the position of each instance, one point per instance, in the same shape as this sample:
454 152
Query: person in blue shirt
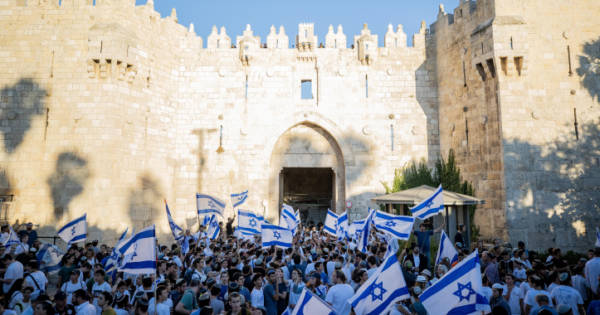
271 293
423 238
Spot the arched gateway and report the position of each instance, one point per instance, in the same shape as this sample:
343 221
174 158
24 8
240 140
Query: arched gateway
307 171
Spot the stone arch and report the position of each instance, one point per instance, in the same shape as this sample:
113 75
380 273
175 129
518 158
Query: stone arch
305 143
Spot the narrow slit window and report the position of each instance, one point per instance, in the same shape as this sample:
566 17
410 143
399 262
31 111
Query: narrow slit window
306 89
366 86
246 88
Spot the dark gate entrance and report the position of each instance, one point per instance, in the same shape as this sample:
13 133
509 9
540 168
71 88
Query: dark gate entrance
308 189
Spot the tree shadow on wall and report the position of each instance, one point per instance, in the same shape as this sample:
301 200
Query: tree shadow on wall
144 202
19 103
559 181
67 181
589 68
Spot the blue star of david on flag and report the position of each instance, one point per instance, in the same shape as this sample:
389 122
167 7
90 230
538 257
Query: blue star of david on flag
73 231
464 291
276 235
252 222
390 223
377 291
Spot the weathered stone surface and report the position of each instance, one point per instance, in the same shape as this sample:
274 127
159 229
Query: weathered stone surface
110 109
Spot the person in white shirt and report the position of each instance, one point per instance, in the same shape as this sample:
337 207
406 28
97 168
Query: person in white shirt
340 293
35 279
592 271
512 295
23 246
13 272
99 285
537 287
162 308
82 303
579 283
565 294
72 285
257 296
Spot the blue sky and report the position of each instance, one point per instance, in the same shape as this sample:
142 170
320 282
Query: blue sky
261 14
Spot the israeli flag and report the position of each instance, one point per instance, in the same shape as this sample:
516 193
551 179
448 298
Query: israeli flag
342 226
458 291
111 262
176 230
12 239
392 246
208 205
355 228
429 207
310 304
382 290
397 226
597 237
248 222
206 220
273 235
330 225
446 250
140 253
238 199
49 257
365 232
288 218
74 231
213 228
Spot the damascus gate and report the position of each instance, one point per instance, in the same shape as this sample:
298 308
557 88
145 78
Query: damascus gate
107 108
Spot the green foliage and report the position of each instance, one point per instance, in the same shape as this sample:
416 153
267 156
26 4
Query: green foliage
445 172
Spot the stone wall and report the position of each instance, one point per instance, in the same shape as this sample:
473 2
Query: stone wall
539 176
109 109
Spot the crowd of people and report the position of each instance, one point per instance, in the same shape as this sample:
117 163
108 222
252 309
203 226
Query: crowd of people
233 275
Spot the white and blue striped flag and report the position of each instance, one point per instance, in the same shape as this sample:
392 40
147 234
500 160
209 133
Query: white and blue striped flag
248 222
140 253
446 250
365 232
238 199
429 207
330 225
355 228
49 257
208 205
310 304
12 239
382 290
273 235
458 291
176 230
213 228
287 218
74 231
111 262
342 226
396 226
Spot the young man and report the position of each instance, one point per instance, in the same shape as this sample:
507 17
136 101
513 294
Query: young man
162 308
340 293
565 294
512 295
82 304
35 279
100 285
13 272
188 302
105 300
271 293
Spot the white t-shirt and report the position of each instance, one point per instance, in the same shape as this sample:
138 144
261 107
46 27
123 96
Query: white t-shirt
69 288
524 288
257 298
14 271
338 295
592 271
85 309
580 285
513 299
567 295
40 279
532 293
97 288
